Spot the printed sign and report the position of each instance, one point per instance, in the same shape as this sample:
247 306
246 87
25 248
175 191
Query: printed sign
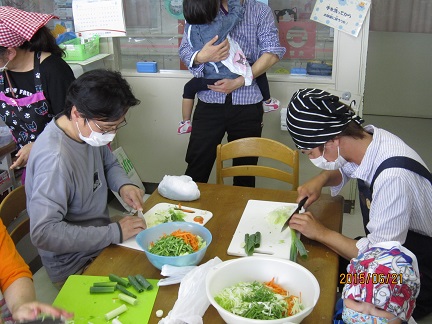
298 37
344 15
102 17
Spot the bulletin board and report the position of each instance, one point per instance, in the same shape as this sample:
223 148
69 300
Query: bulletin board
344 15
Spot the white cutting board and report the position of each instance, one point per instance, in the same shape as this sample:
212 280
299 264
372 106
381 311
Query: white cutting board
254 219
150 215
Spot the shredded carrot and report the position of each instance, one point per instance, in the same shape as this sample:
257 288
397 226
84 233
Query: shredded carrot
276 288
279 290
184 209
188 237
290 302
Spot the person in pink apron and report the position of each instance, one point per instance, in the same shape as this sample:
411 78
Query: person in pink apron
34 78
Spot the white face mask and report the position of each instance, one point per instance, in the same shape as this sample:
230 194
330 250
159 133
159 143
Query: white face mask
95 138
322 163
4 67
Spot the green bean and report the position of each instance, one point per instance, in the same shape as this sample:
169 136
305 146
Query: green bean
171 246
119 280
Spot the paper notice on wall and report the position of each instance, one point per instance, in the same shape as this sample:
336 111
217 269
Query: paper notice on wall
344 15
102 17
127 165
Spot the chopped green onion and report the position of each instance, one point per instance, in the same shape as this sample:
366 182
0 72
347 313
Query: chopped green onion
257 239
101 290
143 282
128 299
137 286
252 241
125 291
105 284
119 280
115 312
297 246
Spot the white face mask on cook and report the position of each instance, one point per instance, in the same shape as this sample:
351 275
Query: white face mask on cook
95 138
322 163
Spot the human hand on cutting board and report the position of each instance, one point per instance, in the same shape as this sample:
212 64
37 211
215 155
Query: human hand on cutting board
133 196
308 225
131 226
32 310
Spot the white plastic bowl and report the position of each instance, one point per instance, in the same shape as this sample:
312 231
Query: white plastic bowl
290 275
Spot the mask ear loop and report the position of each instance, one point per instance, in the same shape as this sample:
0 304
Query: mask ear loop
10 84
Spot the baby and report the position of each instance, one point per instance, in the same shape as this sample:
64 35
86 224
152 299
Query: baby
382 285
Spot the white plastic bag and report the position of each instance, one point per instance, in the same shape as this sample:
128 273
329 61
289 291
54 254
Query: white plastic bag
179 188
174 274
192 301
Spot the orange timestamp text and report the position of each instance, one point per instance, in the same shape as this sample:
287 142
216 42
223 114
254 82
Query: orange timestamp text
374 278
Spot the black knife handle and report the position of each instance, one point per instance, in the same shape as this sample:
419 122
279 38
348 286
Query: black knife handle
302 202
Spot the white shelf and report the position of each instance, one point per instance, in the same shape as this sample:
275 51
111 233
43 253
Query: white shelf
92 59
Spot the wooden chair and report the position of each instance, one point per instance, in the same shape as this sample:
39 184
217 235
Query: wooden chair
260 147
11 209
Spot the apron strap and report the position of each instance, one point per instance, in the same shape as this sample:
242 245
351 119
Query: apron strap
405 163
2 81
36 70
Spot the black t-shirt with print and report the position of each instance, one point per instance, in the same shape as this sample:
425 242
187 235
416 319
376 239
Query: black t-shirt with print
56 76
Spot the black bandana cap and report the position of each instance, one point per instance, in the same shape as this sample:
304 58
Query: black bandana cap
315 116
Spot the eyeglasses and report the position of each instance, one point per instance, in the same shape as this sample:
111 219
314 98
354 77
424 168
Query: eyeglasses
122 124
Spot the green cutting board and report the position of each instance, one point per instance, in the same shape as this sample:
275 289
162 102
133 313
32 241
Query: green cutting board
90 308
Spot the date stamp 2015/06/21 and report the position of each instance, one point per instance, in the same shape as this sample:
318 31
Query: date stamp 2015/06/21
373 278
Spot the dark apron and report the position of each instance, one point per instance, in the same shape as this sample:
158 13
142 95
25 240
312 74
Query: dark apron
26 117
417 243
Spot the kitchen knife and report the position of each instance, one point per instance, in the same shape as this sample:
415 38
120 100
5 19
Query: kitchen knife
300 205
141 215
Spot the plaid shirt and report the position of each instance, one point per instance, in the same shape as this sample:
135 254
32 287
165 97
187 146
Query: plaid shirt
256 34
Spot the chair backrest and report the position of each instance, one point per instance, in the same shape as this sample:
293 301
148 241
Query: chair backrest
12 207
259 147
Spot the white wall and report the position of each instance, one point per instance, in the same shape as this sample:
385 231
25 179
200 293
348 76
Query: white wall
398 88
398 75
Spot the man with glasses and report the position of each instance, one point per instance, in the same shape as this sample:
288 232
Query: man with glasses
69 172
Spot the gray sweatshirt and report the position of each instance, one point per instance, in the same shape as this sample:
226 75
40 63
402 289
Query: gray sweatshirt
67 186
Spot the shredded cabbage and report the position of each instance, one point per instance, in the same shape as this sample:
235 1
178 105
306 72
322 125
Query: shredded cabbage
165 216
279 215
257 301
